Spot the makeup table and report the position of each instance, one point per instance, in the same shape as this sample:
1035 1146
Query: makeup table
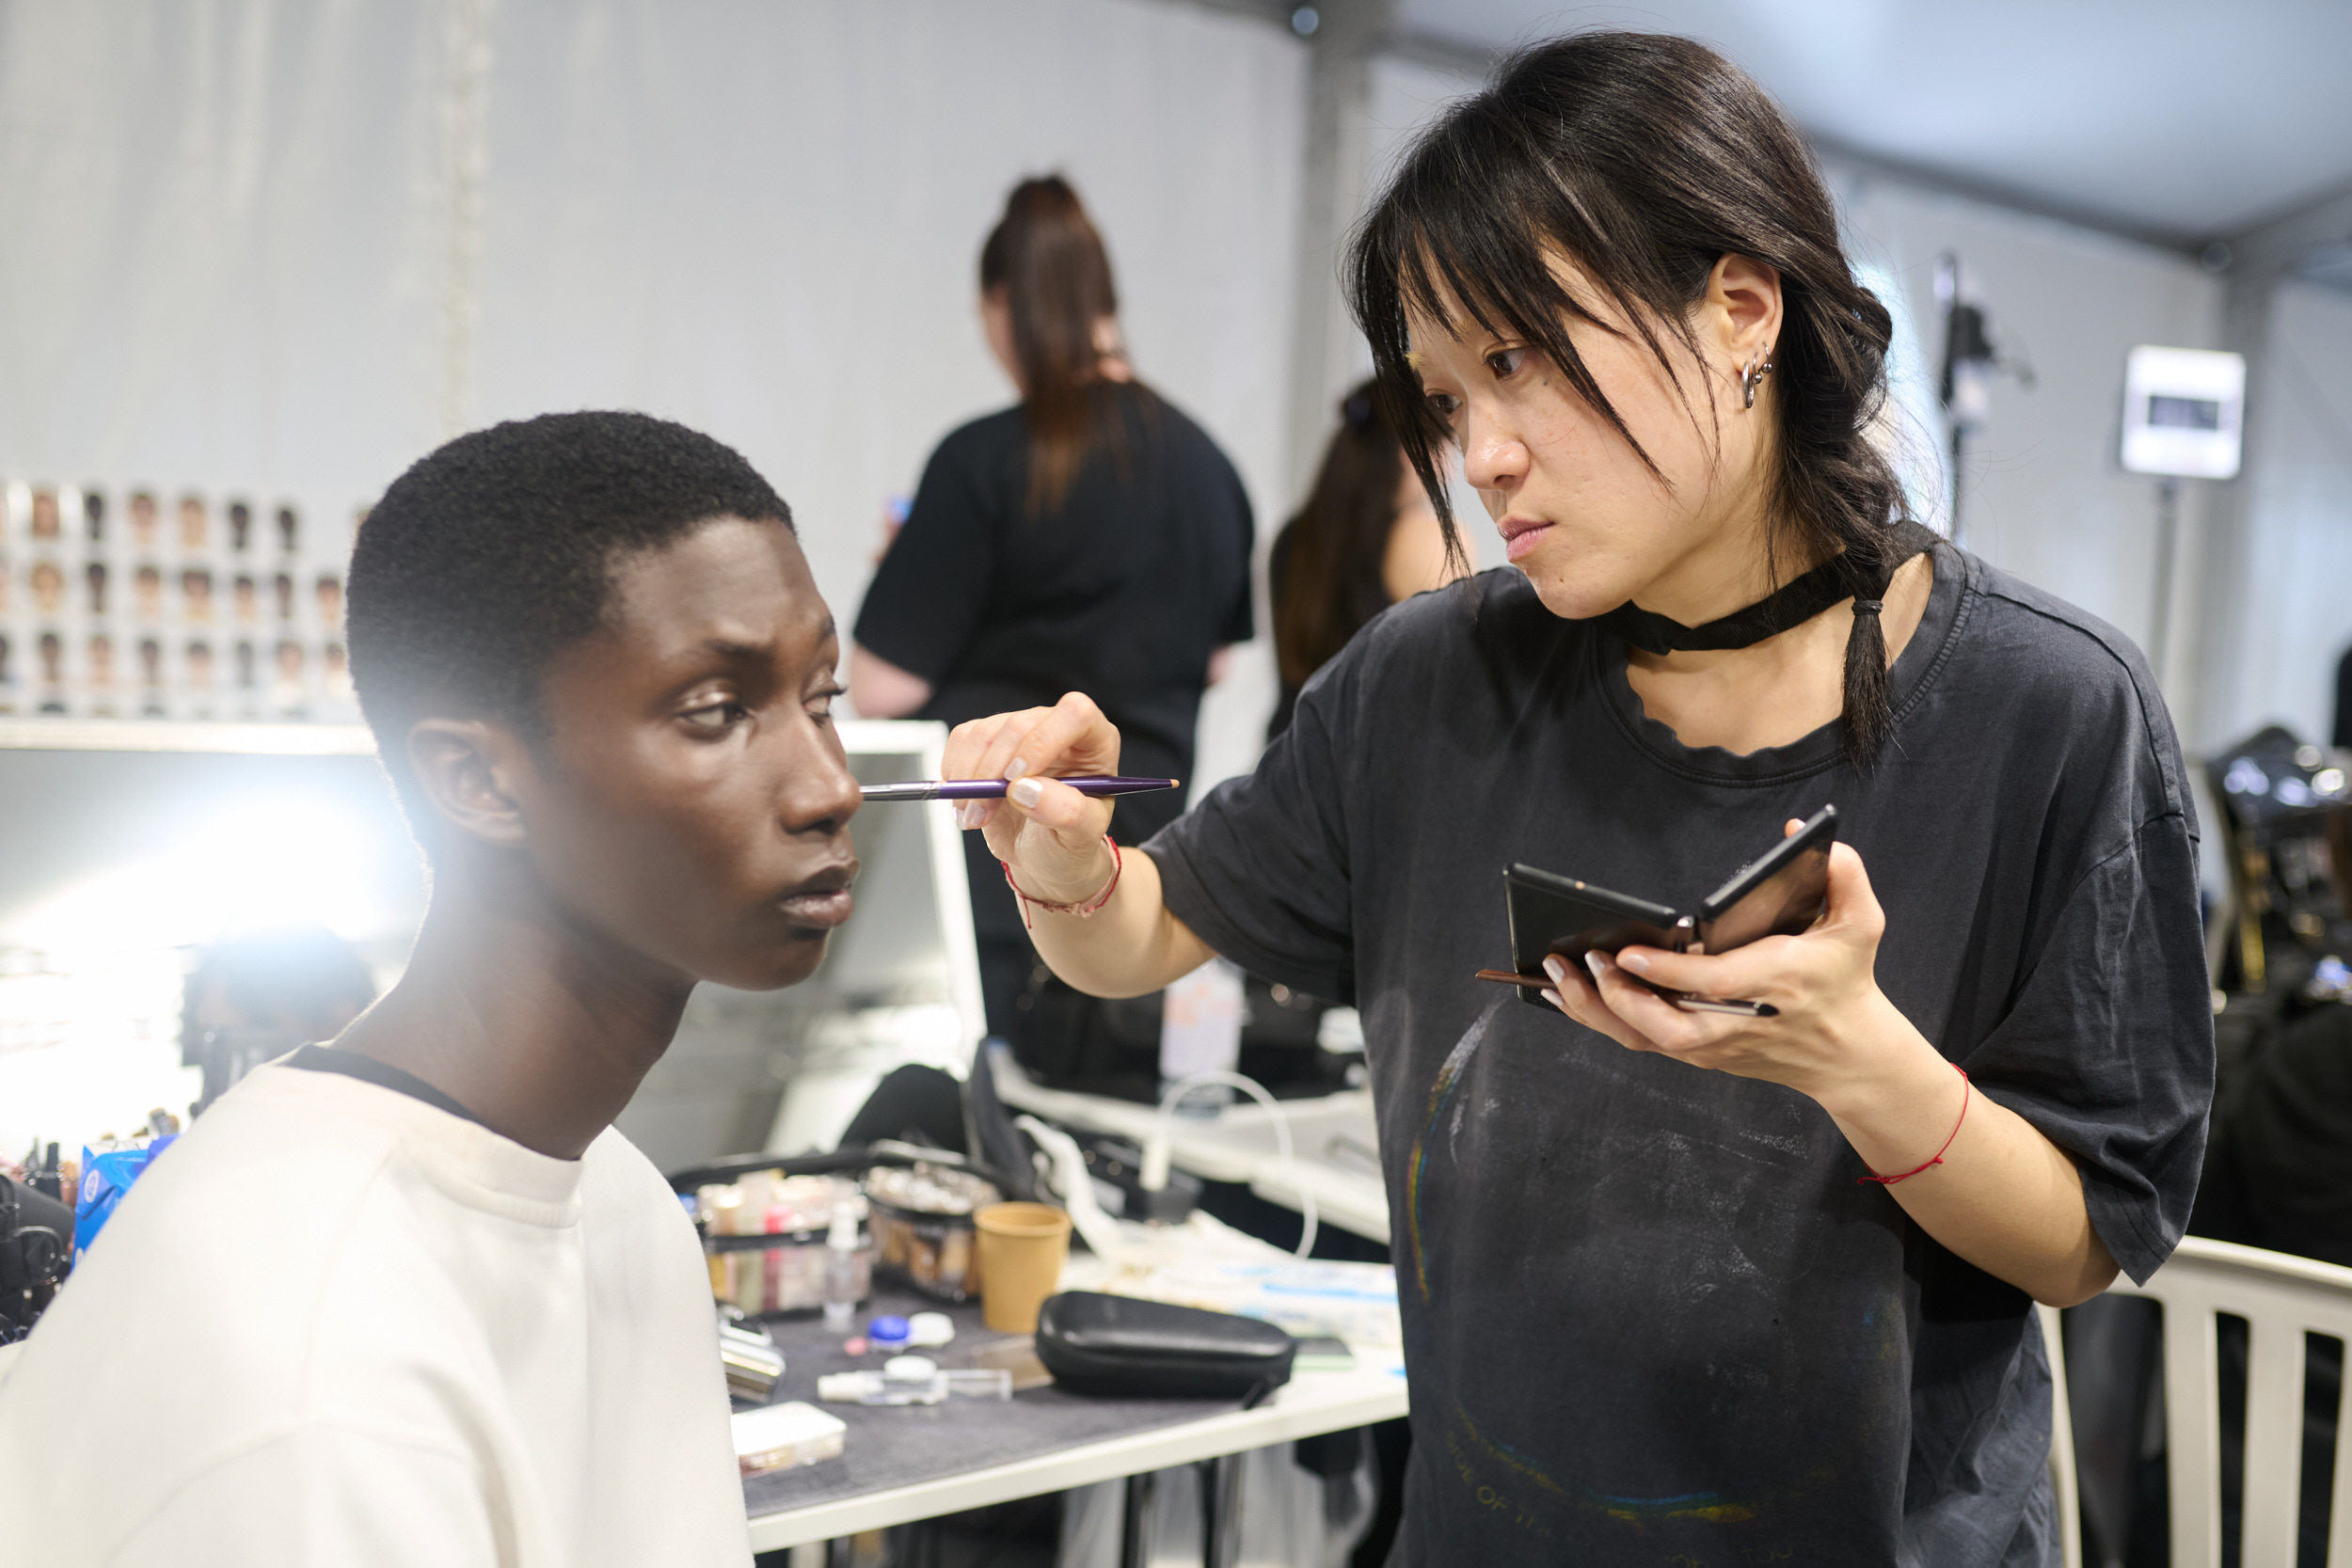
907 1463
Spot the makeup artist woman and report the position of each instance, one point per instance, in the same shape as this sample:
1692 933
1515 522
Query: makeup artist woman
1681 1287
1092 537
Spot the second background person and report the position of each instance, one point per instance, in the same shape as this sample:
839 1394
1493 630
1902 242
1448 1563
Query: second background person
1090 538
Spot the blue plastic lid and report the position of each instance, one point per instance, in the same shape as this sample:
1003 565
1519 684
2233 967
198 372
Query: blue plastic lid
886 1330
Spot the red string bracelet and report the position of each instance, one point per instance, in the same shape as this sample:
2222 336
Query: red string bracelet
1081 910
1966 1090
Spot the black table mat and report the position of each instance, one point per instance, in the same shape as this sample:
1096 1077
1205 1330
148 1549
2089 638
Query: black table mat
892 1446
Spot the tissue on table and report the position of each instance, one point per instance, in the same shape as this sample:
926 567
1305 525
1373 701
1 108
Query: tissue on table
1355 1302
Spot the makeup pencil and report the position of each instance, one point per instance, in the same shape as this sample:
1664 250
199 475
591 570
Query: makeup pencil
994 789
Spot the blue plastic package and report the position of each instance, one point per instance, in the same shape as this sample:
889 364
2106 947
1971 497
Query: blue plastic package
104 1179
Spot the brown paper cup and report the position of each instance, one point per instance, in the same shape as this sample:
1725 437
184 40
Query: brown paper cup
1023 1246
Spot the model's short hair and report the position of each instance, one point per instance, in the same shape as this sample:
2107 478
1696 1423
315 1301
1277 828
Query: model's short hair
494 553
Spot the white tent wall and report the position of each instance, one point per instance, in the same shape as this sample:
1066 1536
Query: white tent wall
224 249
234 261
2043 494
273 248
765 221
2295 618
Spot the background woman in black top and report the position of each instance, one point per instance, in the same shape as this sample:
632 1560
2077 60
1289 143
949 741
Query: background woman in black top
1679 1285
1091 539
1366 538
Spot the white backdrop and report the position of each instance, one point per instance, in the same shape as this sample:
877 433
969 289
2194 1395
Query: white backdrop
2297 620
224 237
228 261
230 246
765 220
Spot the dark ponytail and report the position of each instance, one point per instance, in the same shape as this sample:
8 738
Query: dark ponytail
1046 256
1330 579
1647 159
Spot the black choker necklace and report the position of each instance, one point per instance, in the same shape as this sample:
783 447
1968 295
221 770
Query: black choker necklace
1792 604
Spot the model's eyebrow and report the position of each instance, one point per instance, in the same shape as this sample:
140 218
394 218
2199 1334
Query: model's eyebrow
728 647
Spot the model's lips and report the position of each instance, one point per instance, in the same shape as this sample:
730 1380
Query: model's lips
824 899
1522 534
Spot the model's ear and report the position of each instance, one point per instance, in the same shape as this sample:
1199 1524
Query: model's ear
1744 296
469 770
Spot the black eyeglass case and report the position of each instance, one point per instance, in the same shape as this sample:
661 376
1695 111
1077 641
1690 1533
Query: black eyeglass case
1122 1348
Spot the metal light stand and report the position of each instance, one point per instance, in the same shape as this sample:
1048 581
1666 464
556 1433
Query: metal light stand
1220 1510
2168 526
1135 1526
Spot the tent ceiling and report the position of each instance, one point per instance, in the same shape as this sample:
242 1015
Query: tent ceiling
2179 121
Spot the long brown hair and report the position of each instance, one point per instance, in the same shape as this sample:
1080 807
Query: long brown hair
1647 159
1046 256
1332 551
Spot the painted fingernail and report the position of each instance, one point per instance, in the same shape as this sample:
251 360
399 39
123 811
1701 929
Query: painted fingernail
1014 769
1026 793
1557 967
968 815
1594 961
1635 962
1553 997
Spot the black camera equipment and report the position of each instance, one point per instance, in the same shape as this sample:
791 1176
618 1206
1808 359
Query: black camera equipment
36 1248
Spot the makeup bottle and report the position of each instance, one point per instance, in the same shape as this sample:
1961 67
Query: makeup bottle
841 1266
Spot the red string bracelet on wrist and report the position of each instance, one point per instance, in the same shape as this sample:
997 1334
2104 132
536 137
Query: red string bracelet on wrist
1966 1090
1081 910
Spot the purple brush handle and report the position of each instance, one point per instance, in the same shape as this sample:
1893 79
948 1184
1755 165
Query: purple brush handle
994 789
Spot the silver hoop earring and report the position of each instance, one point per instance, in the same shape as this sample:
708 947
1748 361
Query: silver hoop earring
1751 375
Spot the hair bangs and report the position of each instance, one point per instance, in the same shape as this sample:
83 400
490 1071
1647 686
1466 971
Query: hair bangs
1433 249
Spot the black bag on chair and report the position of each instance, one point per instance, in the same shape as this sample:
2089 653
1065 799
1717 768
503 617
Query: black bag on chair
1122 1348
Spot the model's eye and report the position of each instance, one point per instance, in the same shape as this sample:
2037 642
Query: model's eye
820 703
1444 404
716 716
1504 362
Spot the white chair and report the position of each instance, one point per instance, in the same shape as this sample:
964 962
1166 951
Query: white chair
2281 1299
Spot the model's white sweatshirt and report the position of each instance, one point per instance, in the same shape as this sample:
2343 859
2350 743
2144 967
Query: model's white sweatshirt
335 1325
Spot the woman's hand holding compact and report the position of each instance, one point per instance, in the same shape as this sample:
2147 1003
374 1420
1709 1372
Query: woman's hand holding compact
1974 1174
1834 1035
1833 1021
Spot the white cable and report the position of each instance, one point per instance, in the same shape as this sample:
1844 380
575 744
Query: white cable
1078 1185
1153 1175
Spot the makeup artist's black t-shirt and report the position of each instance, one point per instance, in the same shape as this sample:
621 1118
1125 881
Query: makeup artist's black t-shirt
1123 592
1649 1315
